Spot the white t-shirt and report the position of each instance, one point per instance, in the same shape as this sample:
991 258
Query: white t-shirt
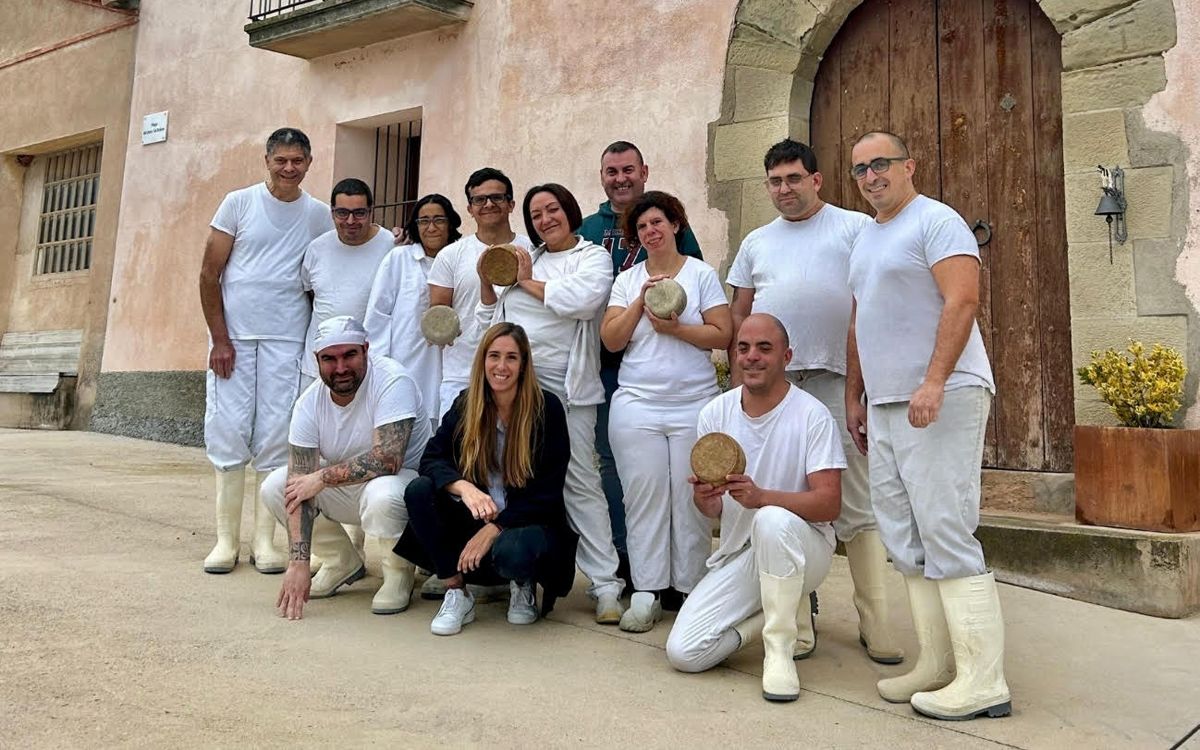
387 394
564 329
260 286
796 438
455 268
799 273
660 366
340 278
900 306
399 297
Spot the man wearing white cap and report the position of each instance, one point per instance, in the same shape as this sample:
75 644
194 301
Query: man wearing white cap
355 442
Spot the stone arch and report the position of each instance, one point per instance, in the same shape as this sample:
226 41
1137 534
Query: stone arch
1112 65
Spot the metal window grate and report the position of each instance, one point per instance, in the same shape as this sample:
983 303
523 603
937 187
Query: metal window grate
68 217
397 171
260 9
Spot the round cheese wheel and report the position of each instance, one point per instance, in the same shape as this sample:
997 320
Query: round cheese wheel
440 325
666 298
499 265
716 456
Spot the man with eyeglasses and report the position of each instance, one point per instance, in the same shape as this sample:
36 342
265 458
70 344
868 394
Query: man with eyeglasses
796 268
623 175
257 315
915 352
454 280
340 265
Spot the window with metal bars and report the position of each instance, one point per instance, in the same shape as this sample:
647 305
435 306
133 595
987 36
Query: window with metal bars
397 171
68 217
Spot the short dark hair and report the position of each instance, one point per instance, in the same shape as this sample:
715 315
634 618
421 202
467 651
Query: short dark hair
454 221
788 151
351 186
620 147
288 137
480 176
896 140
570 207
665 202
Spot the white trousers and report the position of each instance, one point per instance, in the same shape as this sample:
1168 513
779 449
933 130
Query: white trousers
667 537
587 509
781 544
925 484
246 415
830 389
449 391
376 505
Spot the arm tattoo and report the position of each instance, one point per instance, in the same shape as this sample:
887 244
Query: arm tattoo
299 527
385 457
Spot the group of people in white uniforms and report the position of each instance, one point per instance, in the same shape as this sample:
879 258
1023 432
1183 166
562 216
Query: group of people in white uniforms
833 279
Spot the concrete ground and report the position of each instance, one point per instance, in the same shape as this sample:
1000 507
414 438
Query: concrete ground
113 636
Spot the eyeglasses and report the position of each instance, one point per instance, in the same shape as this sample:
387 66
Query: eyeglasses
496 198
431 221
793 180
878 166
346 213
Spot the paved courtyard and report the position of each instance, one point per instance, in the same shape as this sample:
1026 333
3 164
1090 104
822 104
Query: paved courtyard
112 636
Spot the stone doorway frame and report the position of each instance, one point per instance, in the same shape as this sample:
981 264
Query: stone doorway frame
1112 65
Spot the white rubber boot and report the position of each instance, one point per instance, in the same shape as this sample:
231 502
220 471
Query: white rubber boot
935 662
806 629
230 487
398 574
868 570
749 630
972 607
342 566
358 538
781 599
266 557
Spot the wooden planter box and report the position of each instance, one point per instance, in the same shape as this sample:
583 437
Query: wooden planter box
1137 478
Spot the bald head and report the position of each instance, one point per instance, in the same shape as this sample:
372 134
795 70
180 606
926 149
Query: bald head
765 325
763 353
892 139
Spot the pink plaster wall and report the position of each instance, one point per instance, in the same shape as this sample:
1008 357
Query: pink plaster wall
534 87
1174 110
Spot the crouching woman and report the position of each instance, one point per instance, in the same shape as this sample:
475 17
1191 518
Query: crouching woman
488 505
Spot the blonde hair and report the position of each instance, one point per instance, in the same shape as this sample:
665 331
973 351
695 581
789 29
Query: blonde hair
477 425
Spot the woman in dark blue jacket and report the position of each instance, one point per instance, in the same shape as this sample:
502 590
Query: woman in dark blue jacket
489 501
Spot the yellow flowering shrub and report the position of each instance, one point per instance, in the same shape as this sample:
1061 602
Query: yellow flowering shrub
1143 390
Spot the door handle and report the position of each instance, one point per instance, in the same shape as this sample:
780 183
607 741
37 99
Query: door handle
982 226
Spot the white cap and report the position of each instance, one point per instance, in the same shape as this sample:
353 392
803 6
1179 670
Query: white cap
339 331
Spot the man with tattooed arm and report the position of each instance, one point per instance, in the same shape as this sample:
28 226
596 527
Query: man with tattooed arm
355 442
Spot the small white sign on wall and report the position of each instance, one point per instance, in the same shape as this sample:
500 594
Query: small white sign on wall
154 128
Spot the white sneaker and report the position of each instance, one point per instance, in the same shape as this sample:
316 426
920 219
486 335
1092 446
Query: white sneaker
644 610
458 609
522 603
608 609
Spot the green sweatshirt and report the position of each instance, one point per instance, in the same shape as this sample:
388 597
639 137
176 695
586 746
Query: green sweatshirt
602 228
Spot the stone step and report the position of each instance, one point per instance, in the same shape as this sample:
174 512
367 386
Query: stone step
1140 571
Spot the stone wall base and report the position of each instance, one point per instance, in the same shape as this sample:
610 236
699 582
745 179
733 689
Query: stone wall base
163 406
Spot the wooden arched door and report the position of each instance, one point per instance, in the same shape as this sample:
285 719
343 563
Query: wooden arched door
973 87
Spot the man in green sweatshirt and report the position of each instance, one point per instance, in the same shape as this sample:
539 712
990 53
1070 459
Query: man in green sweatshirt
623 175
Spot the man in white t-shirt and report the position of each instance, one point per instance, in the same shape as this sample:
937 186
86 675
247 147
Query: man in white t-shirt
914 350
355 443
796 268
257 315
337 272
454 280
339 266
776 519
